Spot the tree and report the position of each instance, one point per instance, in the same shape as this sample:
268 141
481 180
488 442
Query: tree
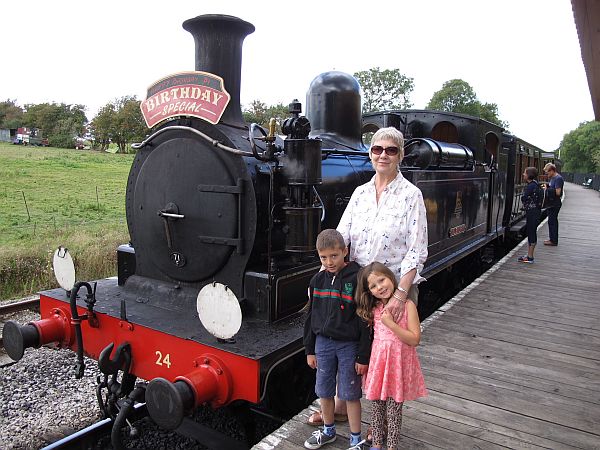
458 96
121 122
129 123
384 89
59 122
260 113
580 148
11 115
101 126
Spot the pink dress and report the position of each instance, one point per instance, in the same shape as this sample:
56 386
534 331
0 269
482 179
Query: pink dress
394 369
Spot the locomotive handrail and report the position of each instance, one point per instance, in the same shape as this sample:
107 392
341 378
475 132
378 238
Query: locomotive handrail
321 202
170 215
251 139
212 141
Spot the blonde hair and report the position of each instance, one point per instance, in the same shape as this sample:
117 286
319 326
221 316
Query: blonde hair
389 134
365 301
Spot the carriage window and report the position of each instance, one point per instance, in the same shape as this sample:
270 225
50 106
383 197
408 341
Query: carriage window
367 132
445 132
491 145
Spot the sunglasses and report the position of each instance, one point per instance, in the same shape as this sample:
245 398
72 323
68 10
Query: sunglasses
378 150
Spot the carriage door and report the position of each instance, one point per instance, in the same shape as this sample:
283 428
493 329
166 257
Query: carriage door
494 216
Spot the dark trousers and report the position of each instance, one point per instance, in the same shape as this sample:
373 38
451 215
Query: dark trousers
533 220
553 223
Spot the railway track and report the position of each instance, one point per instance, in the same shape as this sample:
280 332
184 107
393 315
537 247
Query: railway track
98 435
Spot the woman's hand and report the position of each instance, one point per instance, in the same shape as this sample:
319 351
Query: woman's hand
361 369
394 307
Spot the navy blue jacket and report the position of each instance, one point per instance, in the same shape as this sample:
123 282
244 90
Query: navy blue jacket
332 312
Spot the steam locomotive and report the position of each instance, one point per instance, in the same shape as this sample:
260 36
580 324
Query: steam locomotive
223 217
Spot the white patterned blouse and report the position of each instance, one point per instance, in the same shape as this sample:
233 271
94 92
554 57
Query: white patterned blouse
393 231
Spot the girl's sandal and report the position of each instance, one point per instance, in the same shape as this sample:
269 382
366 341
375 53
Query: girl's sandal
316 418
369 440
340 417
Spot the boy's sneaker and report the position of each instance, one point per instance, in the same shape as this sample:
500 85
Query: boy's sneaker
318 439
358 446
526 259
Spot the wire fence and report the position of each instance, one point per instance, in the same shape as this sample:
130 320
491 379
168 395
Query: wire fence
29 214
52 225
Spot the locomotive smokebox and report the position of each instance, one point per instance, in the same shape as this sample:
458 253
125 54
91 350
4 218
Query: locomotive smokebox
219 40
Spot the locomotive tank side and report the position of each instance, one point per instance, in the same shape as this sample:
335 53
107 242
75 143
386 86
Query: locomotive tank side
449 157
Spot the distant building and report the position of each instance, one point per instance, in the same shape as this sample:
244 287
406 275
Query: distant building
7 135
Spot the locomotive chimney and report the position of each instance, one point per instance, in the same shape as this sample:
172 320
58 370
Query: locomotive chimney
219 40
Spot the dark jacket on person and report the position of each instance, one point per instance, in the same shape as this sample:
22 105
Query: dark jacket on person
332 311
533 195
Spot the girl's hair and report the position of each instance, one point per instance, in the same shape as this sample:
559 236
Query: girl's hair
365 301
532 173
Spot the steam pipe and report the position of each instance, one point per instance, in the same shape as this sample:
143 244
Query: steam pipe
218 40
76 320
126 408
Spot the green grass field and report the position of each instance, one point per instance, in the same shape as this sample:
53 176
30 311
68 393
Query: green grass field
51 197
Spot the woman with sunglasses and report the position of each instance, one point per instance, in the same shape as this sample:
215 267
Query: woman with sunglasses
385 221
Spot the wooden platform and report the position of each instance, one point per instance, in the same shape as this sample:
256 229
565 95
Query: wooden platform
513 361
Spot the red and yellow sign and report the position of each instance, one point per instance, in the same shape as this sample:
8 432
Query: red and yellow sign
194 94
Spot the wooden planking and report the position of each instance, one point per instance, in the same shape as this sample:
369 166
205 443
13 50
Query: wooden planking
500 417
540 309
507 437
561 343
528 402
515 363
509 372
532 315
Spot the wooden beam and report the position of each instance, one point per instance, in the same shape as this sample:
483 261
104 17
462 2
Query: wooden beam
587 21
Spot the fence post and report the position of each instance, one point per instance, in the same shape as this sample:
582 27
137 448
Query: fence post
28 215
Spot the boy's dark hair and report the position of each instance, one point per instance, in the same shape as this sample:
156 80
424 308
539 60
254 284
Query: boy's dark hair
330 238
532 173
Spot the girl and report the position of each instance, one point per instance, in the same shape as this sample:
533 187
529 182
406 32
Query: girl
532 201
394 373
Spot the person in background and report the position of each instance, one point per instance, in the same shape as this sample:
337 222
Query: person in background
337 342
394 375
554 192
532 204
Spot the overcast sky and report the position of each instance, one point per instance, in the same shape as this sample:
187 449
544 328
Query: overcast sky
523 55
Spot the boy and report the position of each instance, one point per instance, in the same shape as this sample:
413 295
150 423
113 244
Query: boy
336 340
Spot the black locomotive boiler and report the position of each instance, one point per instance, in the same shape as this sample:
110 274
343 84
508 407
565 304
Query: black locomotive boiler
223 217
